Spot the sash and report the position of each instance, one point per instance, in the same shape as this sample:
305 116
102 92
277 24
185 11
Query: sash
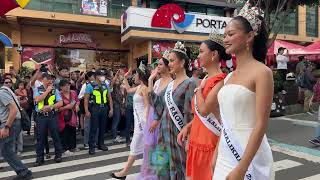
174 111
233 146
209 121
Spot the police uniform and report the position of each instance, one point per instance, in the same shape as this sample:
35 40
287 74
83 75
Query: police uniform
98 107
45 121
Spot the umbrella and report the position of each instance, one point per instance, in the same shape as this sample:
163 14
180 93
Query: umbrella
8 5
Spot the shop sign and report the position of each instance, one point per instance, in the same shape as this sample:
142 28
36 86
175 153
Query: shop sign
75 38
172 17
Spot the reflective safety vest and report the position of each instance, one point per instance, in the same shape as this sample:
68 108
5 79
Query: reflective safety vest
49 100
99 94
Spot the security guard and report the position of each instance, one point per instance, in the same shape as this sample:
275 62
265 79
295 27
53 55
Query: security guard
96 99
47 100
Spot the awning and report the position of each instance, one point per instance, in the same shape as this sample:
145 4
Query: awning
278 43
314 46
4 39
8 5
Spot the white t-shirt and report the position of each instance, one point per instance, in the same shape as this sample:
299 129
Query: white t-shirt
282 61
82 91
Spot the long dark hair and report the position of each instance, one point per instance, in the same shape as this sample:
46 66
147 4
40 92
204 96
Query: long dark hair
165 61
143 75
213 46
260 48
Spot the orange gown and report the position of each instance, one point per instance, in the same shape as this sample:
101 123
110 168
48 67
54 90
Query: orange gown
202 142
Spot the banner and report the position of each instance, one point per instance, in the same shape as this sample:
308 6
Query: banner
33 57
95 7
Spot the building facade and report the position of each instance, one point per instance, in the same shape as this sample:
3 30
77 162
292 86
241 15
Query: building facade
86 34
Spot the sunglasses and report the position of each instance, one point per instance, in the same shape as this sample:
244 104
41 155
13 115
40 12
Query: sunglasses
7 82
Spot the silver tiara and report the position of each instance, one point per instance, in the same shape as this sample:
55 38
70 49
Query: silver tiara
179 47
216 37
166 54
251 13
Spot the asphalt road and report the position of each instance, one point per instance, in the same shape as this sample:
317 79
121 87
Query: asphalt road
294 157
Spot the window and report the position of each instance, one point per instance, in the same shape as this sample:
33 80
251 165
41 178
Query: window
196 9
312 21
109 8
291 25
215 11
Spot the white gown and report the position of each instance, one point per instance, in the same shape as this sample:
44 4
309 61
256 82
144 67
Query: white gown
238 106
139 111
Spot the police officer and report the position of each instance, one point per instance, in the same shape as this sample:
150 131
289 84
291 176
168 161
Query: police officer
96 99
47 100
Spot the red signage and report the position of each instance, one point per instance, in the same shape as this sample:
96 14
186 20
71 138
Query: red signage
77 38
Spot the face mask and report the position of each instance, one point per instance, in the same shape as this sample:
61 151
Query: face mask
102 78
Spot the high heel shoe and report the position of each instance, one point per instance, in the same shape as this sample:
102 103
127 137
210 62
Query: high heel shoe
116 177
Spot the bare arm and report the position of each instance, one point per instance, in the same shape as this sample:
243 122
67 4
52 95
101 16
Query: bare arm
57 105
110 101
146 101
86 103
210 104
127 86
37 99
264 93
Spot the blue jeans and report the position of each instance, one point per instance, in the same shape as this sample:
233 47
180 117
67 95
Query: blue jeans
116 119
129 122
97 121
44 123
6 146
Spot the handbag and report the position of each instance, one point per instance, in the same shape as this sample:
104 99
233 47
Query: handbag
25 119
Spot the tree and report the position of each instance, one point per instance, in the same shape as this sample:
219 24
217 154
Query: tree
275 12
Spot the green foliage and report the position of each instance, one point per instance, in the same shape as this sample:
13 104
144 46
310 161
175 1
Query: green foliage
194 51
24 71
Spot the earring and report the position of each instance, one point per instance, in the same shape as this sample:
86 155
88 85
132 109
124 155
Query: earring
212 59
247 46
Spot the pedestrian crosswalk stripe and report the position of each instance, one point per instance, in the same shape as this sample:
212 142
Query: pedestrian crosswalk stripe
89 172
89 159
285 164
30 153
315 177
32 160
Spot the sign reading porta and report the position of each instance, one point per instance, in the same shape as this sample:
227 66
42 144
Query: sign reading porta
76 38
171 17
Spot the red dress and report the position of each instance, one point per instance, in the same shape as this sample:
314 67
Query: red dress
202 142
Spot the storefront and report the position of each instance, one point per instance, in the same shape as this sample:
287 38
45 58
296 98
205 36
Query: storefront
149 32
77 49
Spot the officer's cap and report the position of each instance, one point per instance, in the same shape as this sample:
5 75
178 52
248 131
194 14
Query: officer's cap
100 72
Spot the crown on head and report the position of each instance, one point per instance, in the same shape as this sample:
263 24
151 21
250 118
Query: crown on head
217 38
179 47
166 54
142 67
251 13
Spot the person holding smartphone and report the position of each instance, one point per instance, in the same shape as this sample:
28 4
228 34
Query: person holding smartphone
68 117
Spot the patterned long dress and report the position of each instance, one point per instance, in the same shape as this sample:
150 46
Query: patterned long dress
167 138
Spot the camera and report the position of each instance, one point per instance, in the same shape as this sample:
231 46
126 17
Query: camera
43 68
